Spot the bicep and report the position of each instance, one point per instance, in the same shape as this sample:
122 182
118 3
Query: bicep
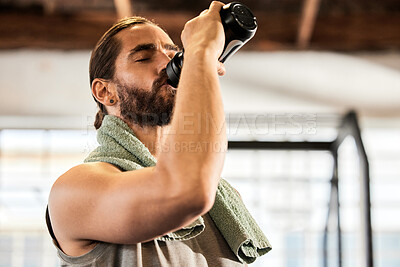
98 202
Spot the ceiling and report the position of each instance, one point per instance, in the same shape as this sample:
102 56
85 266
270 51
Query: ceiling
338 25
345 55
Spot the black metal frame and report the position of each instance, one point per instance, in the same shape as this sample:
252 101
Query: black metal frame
349 127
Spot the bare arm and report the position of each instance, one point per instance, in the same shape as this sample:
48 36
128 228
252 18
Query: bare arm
199 109
98 202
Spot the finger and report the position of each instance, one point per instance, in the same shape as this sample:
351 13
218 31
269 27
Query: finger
216 6
221 69
203 12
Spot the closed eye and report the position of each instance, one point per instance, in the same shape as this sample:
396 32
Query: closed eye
143 59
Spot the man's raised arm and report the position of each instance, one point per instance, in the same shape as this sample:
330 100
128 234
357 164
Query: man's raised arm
97 202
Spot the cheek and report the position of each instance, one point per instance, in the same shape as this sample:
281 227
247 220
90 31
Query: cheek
137 78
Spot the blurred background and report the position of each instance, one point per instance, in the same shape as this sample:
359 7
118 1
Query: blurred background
285 93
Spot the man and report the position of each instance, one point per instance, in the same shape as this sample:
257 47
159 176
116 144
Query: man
102 214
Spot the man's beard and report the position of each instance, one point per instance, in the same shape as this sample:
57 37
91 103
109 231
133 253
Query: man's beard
145 108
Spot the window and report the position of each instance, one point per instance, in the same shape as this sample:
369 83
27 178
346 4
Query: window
286 191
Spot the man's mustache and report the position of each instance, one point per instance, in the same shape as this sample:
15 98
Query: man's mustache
161 80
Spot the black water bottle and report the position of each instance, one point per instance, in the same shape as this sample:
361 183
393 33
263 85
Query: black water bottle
240 25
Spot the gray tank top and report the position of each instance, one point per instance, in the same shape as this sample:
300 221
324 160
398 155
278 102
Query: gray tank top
207 249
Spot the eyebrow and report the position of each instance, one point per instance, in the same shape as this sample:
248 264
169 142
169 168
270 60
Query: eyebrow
153 47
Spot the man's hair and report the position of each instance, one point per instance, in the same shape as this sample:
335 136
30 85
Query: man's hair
104 55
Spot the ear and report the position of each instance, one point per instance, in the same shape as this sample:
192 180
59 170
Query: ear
104 92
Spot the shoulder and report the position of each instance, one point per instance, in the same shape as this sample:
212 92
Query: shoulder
90 167
84 171
83 179
66 195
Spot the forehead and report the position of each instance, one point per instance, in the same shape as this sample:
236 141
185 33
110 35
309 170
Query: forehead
142 34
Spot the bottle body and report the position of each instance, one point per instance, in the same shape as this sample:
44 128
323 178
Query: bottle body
239 25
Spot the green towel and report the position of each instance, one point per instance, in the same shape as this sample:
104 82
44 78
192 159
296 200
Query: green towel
119 146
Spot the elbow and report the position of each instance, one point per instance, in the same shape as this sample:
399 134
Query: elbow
194 194
196 198
194 204
201 199
200 191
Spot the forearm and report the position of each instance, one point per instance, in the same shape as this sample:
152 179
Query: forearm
197 139
196 144
200 98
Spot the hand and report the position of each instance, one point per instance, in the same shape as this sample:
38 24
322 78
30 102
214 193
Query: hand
205 33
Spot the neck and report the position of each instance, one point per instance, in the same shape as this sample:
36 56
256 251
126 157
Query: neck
151 137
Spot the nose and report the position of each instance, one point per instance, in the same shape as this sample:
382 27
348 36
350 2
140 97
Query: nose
165 58
170 53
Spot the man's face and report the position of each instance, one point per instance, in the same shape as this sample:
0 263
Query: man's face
145 98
